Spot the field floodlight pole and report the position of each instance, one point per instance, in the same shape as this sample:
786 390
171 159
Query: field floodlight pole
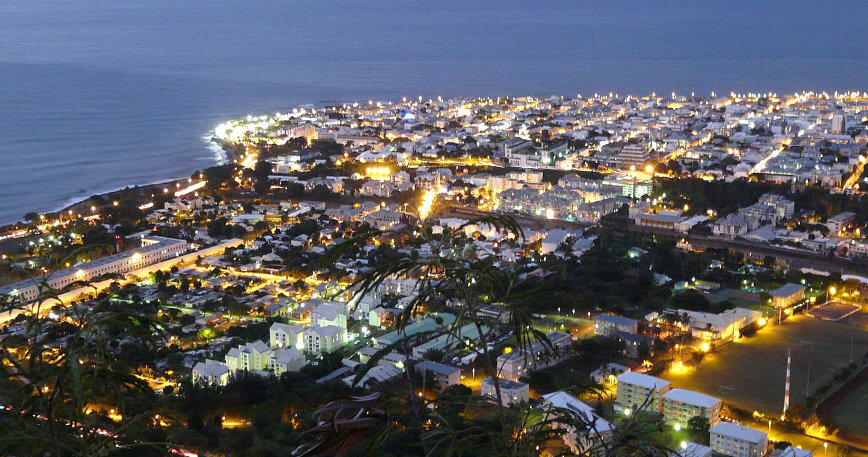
787 389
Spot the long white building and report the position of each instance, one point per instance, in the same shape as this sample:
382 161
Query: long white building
680 405
154 249
580 440
635 389
738 441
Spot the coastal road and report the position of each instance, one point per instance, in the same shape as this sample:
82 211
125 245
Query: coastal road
795 258
68 297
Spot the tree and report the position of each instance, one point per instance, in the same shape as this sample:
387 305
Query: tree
262 170
459 279
55 374
261 186
697 428
219 177
434 355
690 299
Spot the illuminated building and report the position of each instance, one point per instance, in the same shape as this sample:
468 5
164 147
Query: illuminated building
154 249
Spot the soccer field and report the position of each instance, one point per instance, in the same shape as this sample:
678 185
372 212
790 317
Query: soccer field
750 373
851 415
834 311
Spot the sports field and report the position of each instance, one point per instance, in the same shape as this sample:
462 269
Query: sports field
851 413
750 373
834 311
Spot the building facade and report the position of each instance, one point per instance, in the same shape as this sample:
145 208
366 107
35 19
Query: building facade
511 392
636 390
681 405
738 441
154 249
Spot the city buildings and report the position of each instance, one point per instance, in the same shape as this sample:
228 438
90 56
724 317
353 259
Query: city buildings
680 405
579 439
738 440
637 390
539 355
511 392
153 249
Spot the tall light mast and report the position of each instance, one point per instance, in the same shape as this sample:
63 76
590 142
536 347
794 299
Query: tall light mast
787 390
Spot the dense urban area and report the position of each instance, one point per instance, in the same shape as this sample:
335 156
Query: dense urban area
590 275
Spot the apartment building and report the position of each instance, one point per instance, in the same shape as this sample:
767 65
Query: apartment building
211 372
635 389
320 340
511 392
249 357
738 441
286 335
154 249
539 355
584 440
285 360
608 324
680 405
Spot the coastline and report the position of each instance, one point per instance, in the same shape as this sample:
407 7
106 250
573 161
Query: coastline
82 204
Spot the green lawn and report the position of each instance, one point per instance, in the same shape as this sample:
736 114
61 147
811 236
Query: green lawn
755 368
851 415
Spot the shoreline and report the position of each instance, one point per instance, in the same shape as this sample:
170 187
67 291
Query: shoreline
82 204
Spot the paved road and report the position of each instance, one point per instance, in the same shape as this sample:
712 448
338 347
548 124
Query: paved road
93 289
795 258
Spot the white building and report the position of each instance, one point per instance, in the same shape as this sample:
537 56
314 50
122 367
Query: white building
211 372
637 389
154 249
840 222
285 360
518 363
579 440
329 313
692 450
249 357
783 206
680 405
738 441
511 392
608 324
285 336
792 452
320 340
446 375
712 327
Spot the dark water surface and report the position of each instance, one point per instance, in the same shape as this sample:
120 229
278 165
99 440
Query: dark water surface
95 95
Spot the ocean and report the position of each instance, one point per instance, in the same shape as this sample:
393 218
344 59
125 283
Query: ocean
96 95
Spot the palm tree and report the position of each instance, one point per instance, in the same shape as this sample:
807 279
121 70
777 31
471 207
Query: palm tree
460 278
456 272
58 375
